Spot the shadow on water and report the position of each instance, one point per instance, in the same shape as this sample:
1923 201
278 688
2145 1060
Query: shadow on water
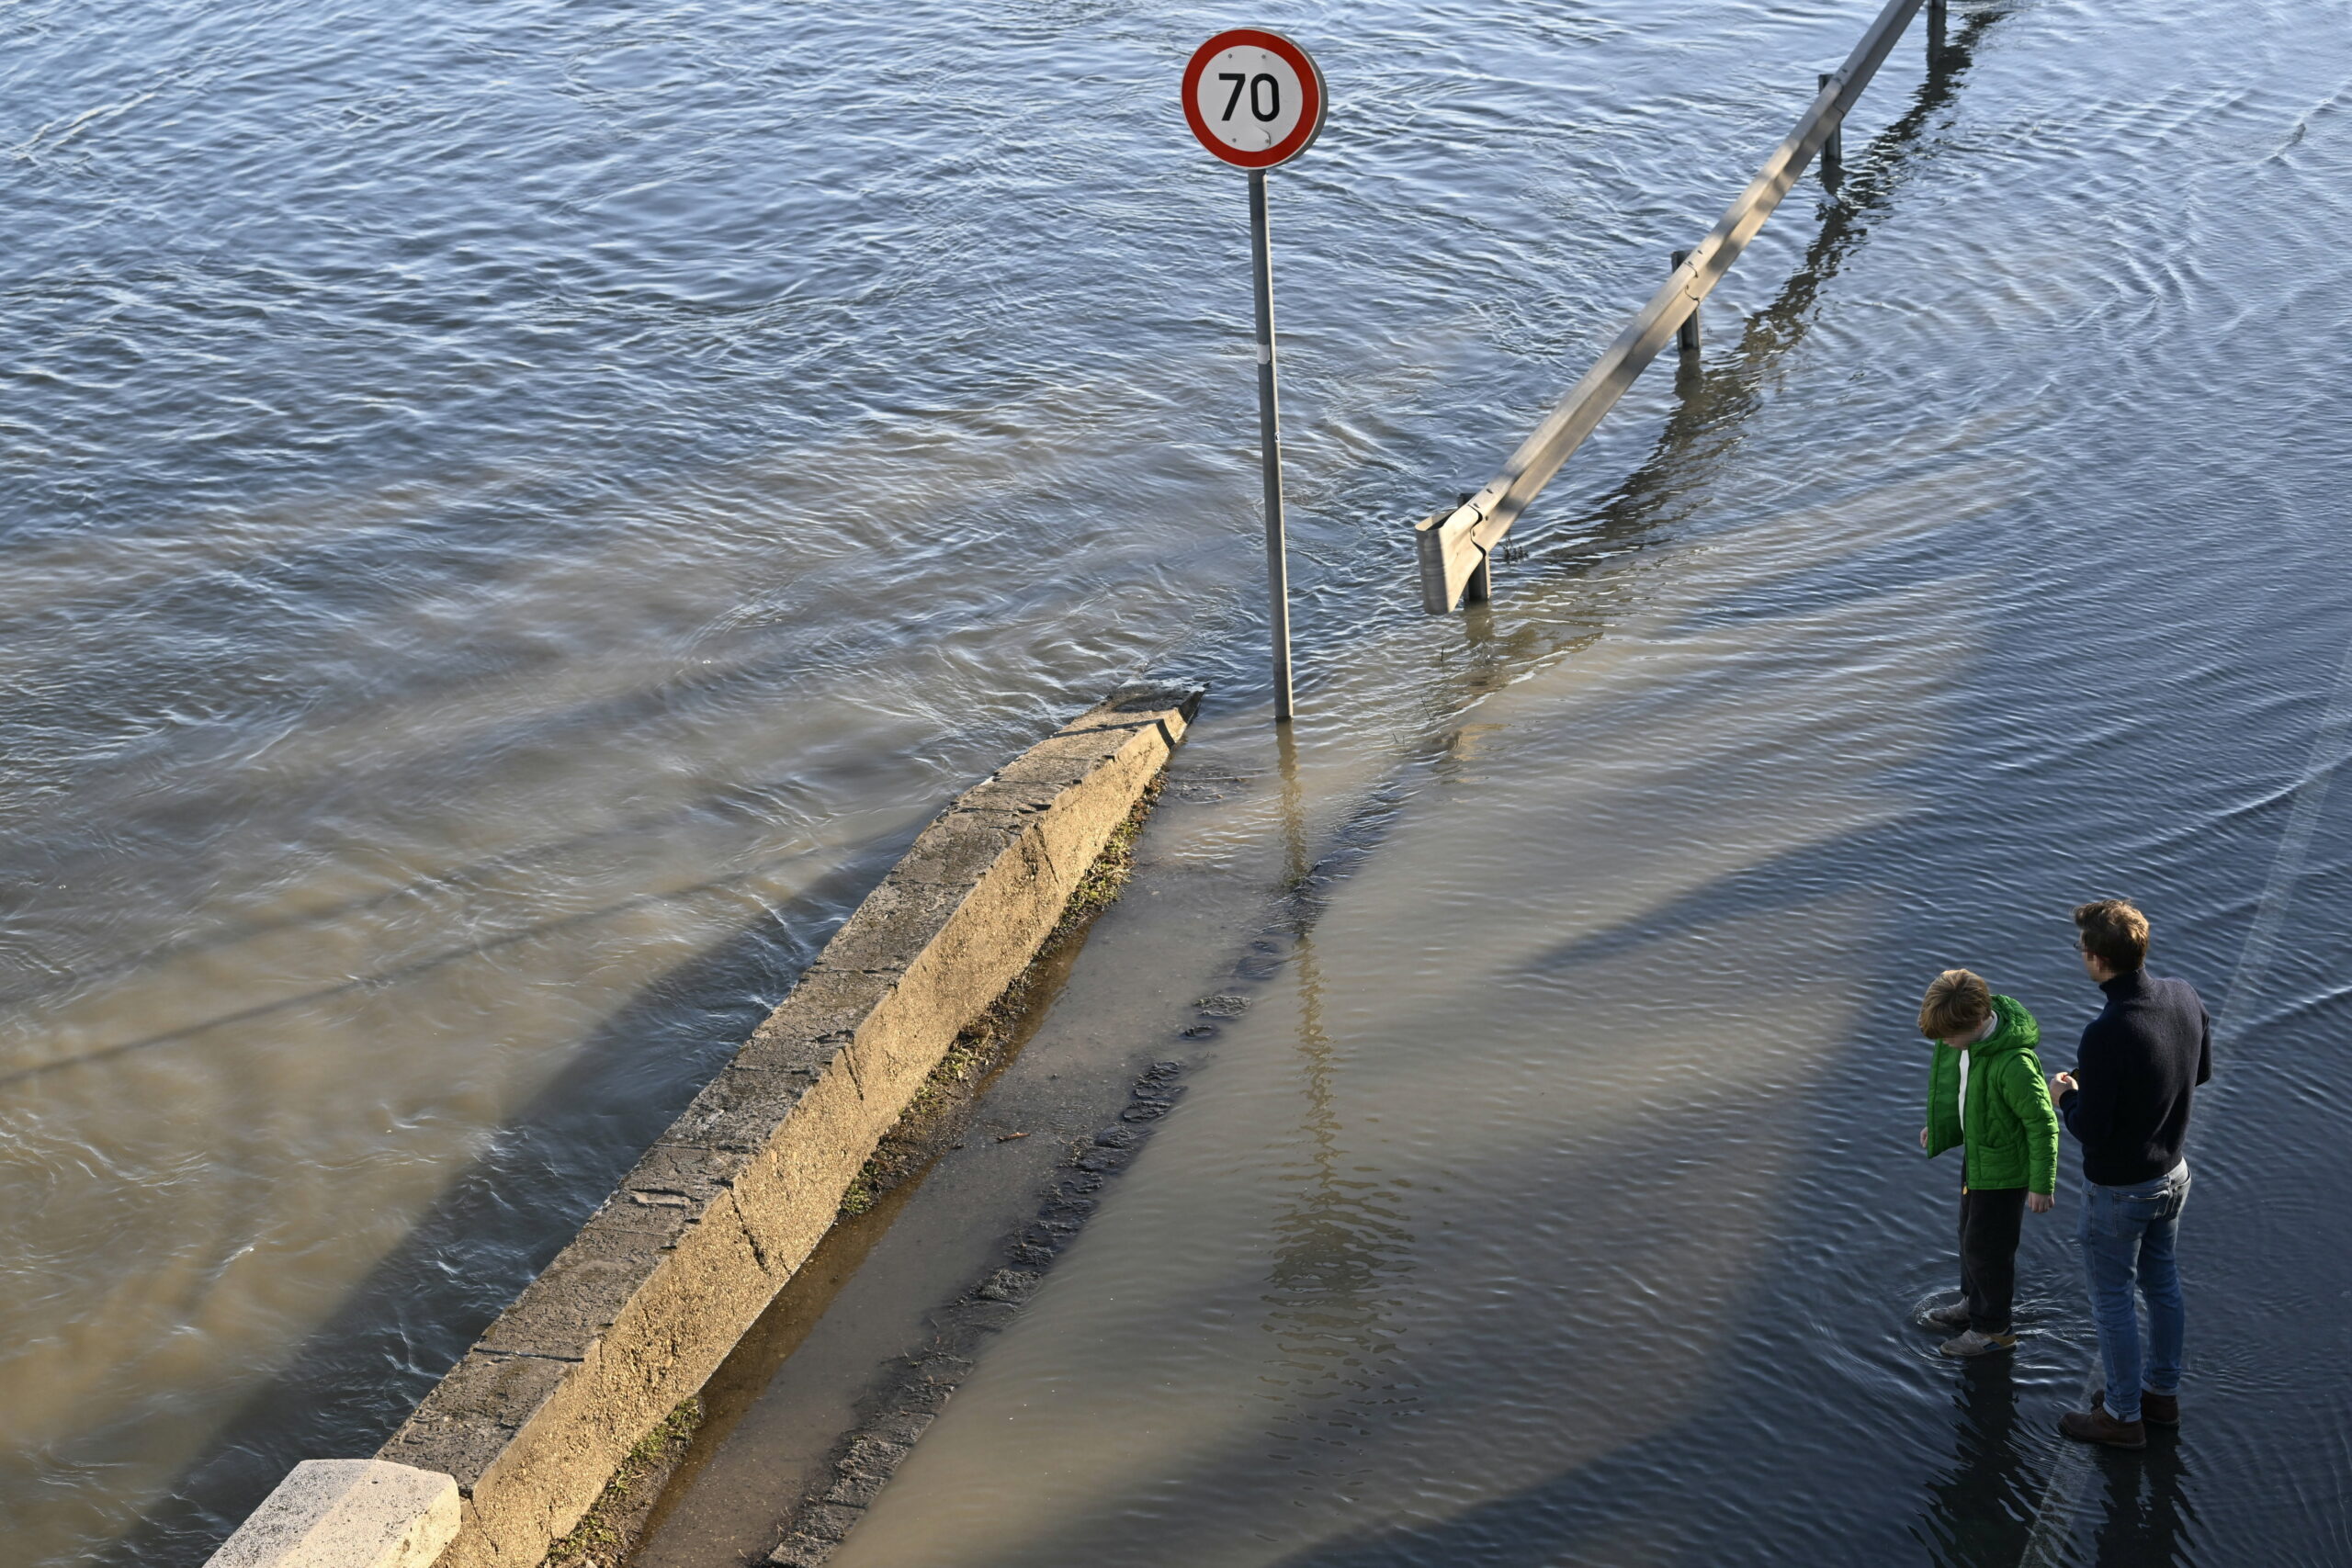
1563 1520
1981 1510
1334 1244
362 1372
1981 1516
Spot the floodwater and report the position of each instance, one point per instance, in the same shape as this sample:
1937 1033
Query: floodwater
515 512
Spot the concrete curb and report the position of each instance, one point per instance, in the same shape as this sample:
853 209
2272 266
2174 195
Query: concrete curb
661 1281
347 1513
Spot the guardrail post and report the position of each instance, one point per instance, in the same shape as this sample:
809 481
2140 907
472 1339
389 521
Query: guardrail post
1833 150
1686 337
1481 586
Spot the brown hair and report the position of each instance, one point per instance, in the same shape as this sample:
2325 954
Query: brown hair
1957 1001
2115 934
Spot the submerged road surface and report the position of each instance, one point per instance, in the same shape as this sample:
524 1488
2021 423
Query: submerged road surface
1556 1201
515 512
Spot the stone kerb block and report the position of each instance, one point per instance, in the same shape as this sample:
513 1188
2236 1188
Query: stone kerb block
663 1281
347 1513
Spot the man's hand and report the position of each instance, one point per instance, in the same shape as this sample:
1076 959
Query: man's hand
1923 1137
2066 1083
2039 1203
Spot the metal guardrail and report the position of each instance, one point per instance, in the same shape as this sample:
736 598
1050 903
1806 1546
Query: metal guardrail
1454 545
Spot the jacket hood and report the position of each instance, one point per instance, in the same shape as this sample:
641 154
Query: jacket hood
2018 1031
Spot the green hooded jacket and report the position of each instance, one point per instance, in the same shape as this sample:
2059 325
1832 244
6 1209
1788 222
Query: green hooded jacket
2012 1131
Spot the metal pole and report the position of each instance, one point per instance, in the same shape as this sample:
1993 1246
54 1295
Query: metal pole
1270 444
1833 151
1687 337
1935 33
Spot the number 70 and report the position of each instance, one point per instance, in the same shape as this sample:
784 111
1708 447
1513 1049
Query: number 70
1265 95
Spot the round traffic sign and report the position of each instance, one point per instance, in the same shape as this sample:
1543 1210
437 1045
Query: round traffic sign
1254 97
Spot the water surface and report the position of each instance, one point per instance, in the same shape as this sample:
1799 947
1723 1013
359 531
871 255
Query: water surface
515 513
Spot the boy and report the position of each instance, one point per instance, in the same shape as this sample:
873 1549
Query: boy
1985 1095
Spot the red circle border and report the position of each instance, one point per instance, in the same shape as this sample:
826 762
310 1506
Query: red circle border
1298 141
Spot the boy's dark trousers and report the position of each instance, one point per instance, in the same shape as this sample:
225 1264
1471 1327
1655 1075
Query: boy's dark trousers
1989 1221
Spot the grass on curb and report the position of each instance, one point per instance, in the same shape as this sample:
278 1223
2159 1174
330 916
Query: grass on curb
981 1044
603 1537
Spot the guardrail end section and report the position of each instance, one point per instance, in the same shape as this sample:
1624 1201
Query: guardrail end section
1449 556
347 1513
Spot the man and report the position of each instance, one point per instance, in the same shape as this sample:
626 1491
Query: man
2127 1103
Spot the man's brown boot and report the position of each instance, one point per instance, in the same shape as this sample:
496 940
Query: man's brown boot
2095 1426
2155 1409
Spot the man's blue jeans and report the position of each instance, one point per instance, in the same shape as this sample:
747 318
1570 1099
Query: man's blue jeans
2127 1235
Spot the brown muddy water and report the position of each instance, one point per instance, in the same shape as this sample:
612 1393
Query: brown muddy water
516 510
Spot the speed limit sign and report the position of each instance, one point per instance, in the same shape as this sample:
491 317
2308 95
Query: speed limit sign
1254 97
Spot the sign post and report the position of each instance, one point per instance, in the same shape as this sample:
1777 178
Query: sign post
1255 99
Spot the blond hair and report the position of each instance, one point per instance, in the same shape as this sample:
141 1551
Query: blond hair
2115 934
1957 1002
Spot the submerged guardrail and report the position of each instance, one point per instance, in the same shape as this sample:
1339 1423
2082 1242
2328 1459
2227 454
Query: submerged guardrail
1456 545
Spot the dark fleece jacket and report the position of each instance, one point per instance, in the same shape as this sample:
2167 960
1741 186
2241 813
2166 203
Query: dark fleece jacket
2139 1061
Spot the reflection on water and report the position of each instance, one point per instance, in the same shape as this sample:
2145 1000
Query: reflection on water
1983 1505
1339 1248
2144 1509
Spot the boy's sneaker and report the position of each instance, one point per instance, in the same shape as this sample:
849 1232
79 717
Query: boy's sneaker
1953 1319
1974 1344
